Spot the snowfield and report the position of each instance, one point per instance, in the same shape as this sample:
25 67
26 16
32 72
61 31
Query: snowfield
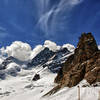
22 87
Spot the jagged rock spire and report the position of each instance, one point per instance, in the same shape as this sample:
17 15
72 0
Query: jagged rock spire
86 47
83 64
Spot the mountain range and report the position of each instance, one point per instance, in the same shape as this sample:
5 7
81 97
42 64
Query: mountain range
50 69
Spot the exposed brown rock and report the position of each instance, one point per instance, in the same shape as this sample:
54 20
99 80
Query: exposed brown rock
83 64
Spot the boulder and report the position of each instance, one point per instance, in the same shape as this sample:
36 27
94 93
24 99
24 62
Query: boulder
36 77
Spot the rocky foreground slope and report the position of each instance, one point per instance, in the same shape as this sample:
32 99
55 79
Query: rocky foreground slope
83 64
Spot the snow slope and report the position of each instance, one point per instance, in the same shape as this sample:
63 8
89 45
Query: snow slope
22 88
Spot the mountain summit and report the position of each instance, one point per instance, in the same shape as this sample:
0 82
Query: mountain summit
83 64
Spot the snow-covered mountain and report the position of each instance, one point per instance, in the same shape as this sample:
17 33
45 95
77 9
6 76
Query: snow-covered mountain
19 63
52 60
20 56
16 74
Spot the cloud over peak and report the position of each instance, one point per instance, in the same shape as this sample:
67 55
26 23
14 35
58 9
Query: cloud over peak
19 50
24 52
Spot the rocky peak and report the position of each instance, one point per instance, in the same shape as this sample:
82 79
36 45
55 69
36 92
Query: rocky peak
48 58
86 47
83 64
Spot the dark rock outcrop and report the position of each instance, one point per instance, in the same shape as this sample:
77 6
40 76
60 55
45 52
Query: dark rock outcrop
41 58
53 60
57 61
36 77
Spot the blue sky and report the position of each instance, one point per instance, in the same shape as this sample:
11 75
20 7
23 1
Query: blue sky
34 21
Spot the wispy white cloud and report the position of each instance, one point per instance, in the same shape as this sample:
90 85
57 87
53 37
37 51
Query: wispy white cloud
43 22
45 15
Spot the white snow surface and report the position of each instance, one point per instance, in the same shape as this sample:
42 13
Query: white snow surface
22 88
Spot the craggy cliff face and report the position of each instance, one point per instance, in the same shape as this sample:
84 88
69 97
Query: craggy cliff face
83 64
